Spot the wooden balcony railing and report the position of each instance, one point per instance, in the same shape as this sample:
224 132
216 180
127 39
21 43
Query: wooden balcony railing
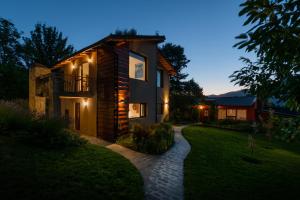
78 85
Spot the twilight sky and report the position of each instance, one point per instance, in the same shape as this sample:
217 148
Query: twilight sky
205 28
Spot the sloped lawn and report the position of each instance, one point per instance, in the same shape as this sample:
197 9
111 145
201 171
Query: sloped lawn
85 172
221 166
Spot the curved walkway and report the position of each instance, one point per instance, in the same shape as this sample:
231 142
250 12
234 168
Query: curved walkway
163 174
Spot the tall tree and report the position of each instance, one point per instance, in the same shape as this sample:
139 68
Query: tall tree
13 75
46 45
9 43
274 37
184 94
175 54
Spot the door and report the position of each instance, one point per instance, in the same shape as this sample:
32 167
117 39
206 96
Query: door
77 116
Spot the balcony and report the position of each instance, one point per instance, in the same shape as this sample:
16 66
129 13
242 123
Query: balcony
78 86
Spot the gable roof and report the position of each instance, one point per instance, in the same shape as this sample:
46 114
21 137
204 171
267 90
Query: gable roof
115 38
234 101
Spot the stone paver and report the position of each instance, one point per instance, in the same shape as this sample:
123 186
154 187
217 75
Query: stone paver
163 174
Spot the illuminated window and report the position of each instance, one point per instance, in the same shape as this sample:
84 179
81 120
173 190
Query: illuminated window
231 112
159 78
241 114
222 114
137 67
137 110
206 113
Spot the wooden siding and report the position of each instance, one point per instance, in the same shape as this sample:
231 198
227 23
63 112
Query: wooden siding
122 88
112 92
106 64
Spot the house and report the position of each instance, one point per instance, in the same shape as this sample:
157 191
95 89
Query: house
103 88
234 108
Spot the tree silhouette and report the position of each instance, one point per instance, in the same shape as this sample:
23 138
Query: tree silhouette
274 38
46 45
9 43
125 32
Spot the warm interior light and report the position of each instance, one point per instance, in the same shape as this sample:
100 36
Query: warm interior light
201 107
85 102
90 60
73 66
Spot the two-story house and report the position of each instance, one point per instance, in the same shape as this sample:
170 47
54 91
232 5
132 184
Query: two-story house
106 86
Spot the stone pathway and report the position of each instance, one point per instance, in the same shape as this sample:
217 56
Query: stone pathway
163 174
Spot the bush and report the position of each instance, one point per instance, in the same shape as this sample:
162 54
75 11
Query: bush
40 131
286 129
155 139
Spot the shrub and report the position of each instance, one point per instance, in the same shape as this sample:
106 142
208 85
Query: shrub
13 117
287 129
40 131
155 139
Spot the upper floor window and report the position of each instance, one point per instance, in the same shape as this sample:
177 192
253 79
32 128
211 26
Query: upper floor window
137 67
159 78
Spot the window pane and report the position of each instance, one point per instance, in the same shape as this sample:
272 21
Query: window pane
134 110
231 112
136 66
241 114
221 114
137 110
159 78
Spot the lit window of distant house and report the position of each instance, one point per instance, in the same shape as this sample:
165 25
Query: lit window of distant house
241 114
222 114
159 78
137 110
137 67
231 112
206 113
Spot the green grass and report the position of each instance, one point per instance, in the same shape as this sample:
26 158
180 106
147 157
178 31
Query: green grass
215 168
86 172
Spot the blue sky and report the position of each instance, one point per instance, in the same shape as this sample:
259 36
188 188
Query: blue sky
205 28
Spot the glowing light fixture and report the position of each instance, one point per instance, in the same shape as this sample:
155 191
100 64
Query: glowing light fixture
89 60
85 102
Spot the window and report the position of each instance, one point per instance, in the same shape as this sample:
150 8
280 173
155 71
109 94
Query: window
137 67
81 77
222 114
137 110
159 78
241 114
231 112
160 108
205 113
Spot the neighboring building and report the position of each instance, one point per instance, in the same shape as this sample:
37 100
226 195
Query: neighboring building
234 108
104 87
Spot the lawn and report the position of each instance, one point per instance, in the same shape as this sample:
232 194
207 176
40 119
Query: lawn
85 172
221 166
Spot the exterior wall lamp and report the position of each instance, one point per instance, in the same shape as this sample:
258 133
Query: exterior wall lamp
85 102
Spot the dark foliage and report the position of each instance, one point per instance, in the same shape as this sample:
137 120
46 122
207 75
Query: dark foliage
46 45
274 38
155 139
13 75
9 43
38 131
183 94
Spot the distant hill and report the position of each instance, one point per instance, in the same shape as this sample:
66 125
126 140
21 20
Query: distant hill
238 93
242 93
